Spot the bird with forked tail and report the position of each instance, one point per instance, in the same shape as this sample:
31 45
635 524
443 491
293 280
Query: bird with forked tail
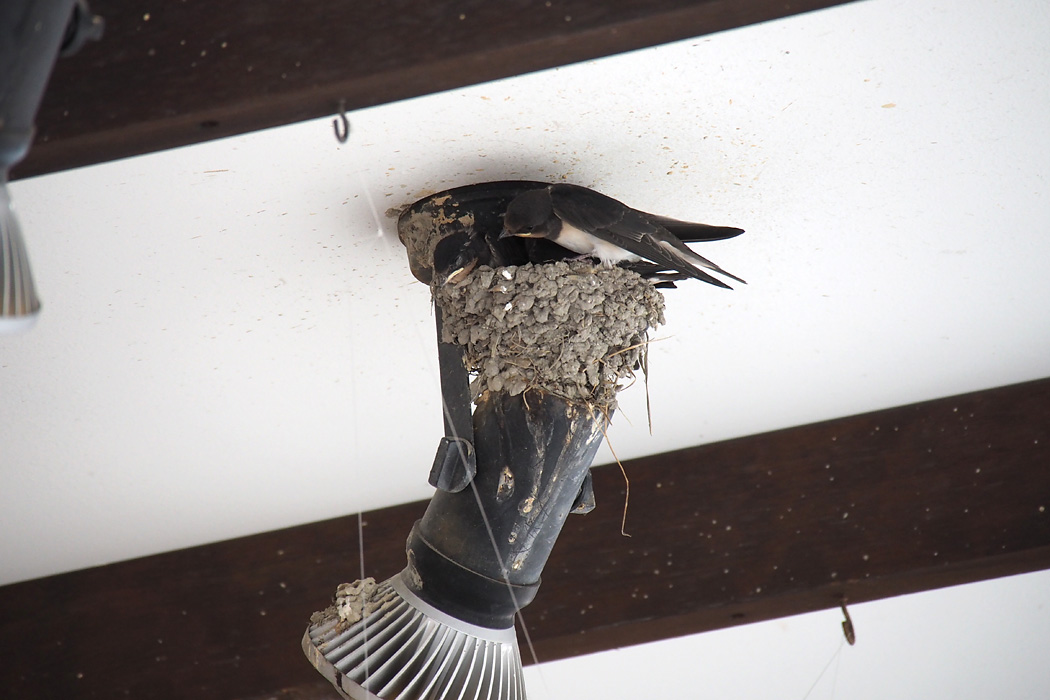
592 224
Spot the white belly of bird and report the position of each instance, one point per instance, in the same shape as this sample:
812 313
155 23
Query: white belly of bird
585 244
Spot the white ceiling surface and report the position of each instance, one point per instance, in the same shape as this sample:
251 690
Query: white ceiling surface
227 346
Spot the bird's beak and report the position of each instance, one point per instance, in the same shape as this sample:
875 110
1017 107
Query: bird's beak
457 275
504 234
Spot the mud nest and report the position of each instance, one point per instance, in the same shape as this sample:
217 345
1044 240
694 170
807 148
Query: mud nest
352 602
573 329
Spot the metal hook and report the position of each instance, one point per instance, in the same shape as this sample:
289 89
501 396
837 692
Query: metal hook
847 625
342 131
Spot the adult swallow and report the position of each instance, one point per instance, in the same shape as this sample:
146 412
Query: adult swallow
590 223
457 254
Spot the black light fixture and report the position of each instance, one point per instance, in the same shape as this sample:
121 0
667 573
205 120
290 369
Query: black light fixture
548 346
32 35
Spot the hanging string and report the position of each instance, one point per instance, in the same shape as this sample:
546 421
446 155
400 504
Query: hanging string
488 528
341 126
364 610
503 569
380 232
489 531
354 412
834 656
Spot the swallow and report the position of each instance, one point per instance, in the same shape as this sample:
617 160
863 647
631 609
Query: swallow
457 254
592 224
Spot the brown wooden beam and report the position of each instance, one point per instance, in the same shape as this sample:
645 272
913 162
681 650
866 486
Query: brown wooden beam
174 73
897 501
902 500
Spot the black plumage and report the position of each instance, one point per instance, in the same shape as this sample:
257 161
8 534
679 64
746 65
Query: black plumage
590 223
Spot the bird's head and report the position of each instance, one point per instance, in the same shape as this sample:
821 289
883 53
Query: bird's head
456 256
529 215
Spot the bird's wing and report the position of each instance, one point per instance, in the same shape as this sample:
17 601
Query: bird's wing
690 232
584 208
596 210
615 222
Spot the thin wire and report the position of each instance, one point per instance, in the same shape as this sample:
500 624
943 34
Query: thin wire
361 542
838 650
380 232
835 674
354 427
491 534
364 608
503 571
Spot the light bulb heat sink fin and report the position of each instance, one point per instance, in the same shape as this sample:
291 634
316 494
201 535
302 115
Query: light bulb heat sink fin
19 305
405 649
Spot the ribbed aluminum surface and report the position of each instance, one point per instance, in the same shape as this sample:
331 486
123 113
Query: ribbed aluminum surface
18 301
408 650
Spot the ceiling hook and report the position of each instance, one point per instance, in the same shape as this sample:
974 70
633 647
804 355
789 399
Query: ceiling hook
341 124
847 625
